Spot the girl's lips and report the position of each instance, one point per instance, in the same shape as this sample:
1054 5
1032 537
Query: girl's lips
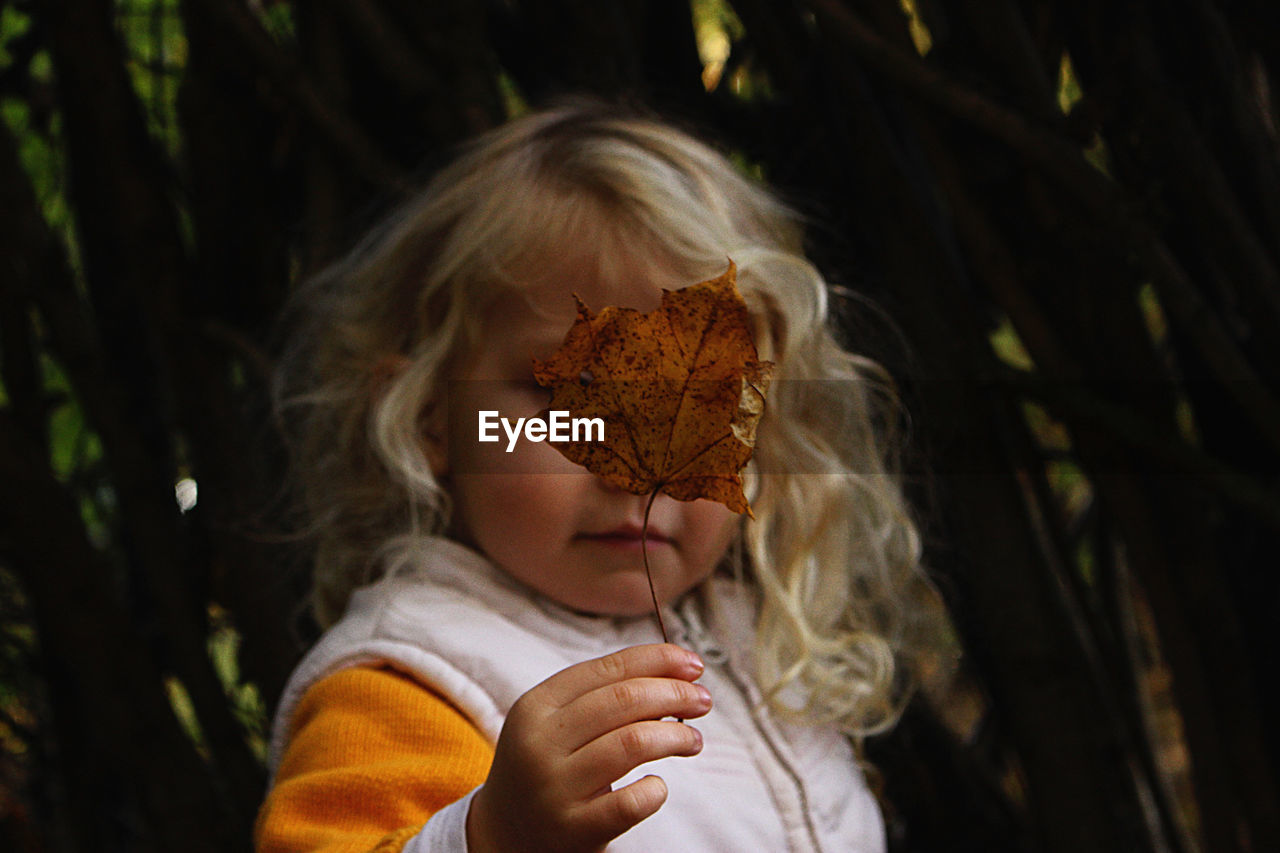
627 536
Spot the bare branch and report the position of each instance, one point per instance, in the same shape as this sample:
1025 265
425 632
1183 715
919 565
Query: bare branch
103 665
396 56
1062 162
1077 405
340 129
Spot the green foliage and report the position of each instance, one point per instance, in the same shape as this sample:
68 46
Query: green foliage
1008 346
156 54
278 20
40 151
1069 93
920 34
75 452
244 696
13 25
716 27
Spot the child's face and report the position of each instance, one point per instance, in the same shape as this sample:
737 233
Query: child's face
546 521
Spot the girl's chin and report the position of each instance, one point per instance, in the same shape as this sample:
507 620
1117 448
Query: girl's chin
635 603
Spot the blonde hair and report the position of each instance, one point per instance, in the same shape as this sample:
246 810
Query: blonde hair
833 551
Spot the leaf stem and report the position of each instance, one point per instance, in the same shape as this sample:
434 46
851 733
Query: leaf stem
644 552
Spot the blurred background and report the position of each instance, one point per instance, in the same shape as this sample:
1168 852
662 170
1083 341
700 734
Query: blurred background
1057 222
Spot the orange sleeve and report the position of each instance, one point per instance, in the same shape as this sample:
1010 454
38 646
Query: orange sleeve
372 755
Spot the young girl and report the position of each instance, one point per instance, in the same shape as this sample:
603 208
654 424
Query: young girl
495 679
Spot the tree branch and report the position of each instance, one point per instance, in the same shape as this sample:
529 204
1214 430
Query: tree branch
1077 406
393 53
101 663
1065 165
137 271
338 128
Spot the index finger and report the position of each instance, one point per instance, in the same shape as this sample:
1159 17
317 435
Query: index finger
658 660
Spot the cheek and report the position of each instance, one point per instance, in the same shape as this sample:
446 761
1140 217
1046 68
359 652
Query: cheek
714 526
516 509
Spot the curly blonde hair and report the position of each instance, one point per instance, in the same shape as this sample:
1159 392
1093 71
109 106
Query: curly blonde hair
833 552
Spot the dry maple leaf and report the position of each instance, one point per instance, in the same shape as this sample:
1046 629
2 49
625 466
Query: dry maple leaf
680 391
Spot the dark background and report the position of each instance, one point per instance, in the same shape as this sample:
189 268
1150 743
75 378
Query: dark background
1065 215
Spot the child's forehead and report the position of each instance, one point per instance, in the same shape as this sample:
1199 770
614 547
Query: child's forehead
631 286
534 316
549 290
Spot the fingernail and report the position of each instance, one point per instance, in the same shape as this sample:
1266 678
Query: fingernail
695 661
703 693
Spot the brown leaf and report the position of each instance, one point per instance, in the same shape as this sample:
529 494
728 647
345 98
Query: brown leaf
680 390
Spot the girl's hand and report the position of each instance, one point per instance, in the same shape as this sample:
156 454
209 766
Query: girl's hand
569 739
